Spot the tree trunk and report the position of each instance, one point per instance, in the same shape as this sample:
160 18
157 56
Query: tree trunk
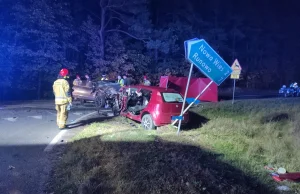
102 33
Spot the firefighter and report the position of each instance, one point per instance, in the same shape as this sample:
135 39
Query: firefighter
120 81
77 81
104 78
63 99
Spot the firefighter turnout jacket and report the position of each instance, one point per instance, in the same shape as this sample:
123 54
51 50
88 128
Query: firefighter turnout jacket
61 89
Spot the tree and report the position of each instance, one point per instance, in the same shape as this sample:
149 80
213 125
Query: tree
41 34
115 16
236 35
122 54
6 51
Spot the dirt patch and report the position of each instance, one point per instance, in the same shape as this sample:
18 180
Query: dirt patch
275 117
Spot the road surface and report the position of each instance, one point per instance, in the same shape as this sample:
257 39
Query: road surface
28 132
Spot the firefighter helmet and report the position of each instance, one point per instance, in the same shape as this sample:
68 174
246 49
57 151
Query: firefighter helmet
64 72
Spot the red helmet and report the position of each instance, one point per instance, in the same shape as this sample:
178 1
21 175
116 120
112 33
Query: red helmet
64 72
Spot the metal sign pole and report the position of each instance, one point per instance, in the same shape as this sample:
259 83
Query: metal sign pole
194 101
233 91
185 94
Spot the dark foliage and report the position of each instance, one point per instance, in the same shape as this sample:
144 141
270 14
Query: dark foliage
144 36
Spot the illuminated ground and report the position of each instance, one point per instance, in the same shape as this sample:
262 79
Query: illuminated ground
26 129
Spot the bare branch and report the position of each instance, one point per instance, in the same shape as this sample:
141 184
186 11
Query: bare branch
100 3
128 34
108 3
116 6
116 18
115 11
98 17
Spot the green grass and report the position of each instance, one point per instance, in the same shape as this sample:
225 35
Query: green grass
224 151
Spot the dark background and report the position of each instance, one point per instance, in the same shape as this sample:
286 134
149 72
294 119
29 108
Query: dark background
139 37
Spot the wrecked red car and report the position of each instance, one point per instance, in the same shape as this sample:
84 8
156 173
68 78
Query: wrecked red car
152 106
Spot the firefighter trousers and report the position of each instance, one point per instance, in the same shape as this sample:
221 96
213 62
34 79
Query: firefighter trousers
62 115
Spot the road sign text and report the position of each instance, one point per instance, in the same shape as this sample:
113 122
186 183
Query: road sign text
202 63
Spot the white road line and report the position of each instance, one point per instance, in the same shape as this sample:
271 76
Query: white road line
54 141
76 120
62 132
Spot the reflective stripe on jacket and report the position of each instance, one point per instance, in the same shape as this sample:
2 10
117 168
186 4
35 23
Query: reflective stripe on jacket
121 82
61 90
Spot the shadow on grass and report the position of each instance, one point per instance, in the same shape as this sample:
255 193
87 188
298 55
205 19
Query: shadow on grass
96 166
275 117
195 121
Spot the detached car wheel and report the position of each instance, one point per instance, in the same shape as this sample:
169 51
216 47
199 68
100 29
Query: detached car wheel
147 122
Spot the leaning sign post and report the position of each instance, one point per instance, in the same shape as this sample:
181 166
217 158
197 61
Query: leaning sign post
236 72
199 53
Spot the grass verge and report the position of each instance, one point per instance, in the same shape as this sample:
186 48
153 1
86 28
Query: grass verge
223 151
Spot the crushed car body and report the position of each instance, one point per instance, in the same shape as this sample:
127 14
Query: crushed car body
101 92
152 106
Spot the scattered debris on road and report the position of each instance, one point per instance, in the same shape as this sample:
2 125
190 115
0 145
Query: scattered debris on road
12 119
36 117
11 167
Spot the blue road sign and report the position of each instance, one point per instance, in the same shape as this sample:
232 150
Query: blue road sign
177 118
207 60
190 100
186 46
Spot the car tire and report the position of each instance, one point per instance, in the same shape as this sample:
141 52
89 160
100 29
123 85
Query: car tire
147 122
116 108
100 101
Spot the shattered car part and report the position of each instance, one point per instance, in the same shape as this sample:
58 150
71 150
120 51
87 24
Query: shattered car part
100 92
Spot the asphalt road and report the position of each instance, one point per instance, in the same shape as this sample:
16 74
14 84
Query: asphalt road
28 132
